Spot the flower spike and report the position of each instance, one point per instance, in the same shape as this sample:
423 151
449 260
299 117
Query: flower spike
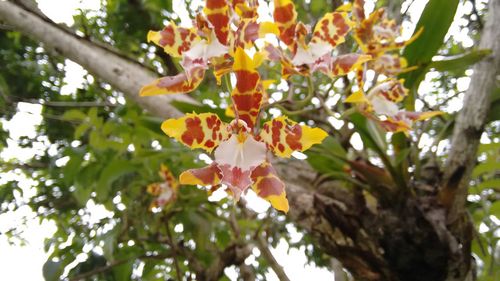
166 191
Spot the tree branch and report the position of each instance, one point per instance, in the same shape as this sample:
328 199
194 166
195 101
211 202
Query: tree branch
264 249
471 120
125 75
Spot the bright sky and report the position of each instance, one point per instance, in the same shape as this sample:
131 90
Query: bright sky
25 262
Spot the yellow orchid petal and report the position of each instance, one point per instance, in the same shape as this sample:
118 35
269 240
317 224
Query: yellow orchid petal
230 112
389 64
356 97
217 12
177 84
267 185
174 40
248 94
332 28
203 130
284 136
392 90
344 64
167 175
154 189
285 18
347 7
205 176
429 114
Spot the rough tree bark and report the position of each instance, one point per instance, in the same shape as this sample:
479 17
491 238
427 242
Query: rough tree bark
399 238
465 141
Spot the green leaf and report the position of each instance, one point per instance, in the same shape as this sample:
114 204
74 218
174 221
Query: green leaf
493 183
74 115
123 272
72 167
81 129
459 62
115 169
401 155
327 157
370 138
52 270
485 167
435 21
489 147
495 209
85 182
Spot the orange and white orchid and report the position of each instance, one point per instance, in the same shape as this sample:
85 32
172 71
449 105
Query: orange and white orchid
211 42
241 153
317 54
377 35
380 103
166 191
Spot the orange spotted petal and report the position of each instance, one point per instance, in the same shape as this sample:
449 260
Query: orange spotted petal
284 136
396 126
166 196
332 29
217 13
246 9
250 30
221 67
419 116
178 84
174 40
403 120
154 189
363 33
358 10
287 68
209 175
268 185
247 95
167 175
285 18
340 65
389 64
203 130
392 90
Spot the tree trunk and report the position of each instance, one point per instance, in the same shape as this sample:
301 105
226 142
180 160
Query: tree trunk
411 238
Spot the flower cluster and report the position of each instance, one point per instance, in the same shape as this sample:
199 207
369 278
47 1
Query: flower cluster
165 191
378 37
241 153
223 36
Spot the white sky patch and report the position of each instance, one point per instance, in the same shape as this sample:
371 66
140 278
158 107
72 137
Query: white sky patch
180 9
256 203
24 262
74 77
63 11
294 262
356 141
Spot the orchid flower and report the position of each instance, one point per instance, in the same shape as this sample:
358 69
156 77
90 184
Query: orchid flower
316 55
166 191
210 42
377 35
380 104
240 152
